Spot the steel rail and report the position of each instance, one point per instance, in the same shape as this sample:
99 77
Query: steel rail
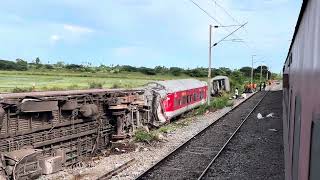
182 145
227 142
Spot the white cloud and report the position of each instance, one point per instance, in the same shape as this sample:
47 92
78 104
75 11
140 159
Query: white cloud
55 38
77 29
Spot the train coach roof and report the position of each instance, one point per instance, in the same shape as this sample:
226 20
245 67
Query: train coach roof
219 77
180 85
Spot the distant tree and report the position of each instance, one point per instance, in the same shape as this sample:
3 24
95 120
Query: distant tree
59 64
7 65
38 60
197 72
38 63
161 69
128 68
224 71
21 65
147 71
176 71
74 67
48 66
246 71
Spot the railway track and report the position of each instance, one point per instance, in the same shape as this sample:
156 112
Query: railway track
193 159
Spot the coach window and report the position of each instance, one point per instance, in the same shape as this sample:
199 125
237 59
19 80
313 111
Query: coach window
177 102
195 97
296 138
314 165
290 59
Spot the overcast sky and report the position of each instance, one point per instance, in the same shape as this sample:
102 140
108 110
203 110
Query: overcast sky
146 32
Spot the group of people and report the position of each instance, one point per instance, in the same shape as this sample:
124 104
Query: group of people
264 86
261 87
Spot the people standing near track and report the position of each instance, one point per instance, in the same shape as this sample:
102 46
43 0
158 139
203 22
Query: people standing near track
264 86
236 93
260 86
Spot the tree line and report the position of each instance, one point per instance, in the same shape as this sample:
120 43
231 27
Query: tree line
199 72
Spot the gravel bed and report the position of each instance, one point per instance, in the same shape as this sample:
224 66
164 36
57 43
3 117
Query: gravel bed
190 160
146 156
256 151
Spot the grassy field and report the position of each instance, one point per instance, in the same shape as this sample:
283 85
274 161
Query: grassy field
10 81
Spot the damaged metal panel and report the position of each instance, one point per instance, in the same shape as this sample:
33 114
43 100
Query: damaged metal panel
51 165
2 113
69 105
38 106
89 110
68 126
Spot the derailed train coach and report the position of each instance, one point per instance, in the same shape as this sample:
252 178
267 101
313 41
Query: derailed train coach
42 132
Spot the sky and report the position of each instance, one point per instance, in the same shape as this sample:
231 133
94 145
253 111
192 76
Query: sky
148 32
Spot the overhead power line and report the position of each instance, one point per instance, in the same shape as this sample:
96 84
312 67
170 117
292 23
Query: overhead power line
234 19
206 12
230 34
229 14
217 21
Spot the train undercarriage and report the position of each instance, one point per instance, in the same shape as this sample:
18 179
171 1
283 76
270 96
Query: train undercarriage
42 132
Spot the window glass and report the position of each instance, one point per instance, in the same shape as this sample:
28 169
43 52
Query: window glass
296 139
315 149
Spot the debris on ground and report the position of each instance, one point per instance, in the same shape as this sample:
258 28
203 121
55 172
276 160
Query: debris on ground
270 115
274 130
117 170
259 116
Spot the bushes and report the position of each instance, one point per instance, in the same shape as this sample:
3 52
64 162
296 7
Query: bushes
147 71
95 85
19 90
217 103
19 65
142 135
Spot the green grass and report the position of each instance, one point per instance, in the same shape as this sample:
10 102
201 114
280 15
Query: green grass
216 103
61 80
142 135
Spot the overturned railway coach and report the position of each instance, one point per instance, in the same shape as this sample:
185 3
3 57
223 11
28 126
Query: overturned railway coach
41 132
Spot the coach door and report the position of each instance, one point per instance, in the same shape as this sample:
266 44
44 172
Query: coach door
314 165
296 138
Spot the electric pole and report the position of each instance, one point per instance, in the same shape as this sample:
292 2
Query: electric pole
209 68
260 73
252 70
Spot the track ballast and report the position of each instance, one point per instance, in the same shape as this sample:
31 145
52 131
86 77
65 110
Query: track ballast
191 159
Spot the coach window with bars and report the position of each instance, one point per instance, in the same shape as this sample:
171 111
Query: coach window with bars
296 138
176 102
195 97
314 165
184 99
